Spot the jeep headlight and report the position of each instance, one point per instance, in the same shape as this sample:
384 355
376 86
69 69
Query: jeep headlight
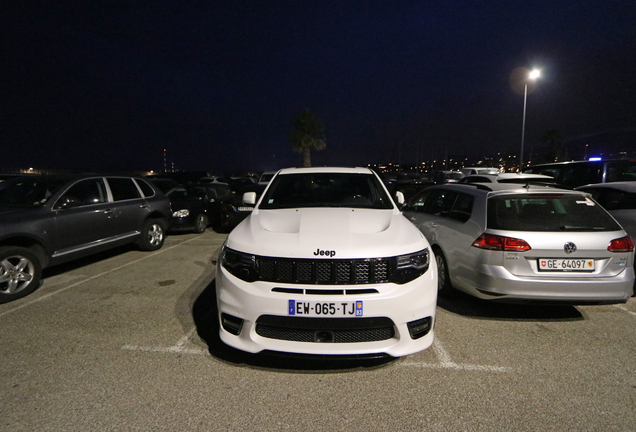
411 266
181 213
241 265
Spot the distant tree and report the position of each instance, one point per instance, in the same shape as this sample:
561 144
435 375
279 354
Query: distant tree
308 135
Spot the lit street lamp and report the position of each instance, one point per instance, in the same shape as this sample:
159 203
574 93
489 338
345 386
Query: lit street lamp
533 75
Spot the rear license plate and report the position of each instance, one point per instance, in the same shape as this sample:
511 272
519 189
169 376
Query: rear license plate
551 264
316 309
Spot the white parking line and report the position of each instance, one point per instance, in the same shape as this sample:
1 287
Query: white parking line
446 362
623 308
176 348
162 250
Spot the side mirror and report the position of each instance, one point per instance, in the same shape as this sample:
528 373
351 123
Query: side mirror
399 197
249 198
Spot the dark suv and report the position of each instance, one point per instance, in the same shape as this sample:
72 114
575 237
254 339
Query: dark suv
47 220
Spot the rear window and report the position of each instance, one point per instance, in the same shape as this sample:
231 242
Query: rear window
147 190
548 212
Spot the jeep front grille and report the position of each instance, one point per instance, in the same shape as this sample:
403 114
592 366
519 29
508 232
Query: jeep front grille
323 272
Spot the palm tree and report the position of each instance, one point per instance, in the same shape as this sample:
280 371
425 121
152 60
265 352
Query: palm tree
307 135
552 138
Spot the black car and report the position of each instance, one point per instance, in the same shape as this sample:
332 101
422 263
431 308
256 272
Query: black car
196 206
48 220
227 210
190 205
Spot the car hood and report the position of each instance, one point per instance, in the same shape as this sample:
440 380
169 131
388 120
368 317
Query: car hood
337 232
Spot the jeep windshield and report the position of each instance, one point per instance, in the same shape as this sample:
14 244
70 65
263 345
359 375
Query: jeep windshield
349 190
30 191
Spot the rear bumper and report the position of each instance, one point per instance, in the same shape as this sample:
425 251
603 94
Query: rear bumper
497 284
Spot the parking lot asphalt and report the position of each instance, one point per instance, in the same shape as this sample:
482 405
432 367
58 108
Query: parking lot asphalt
127 341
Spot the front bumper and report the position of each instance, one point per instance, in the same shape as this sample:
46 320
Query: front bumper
391 316
180 224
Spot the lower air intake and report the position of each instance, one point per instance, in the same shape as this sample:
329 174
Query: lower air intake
327 330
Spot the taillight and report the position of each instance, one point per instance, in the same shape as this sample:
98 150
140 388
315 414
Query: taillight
623 244
501 243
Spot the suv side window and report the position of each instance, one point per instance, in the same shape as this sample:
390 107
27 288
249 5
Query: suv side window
417 203
84 192
440 203
463 208
123 188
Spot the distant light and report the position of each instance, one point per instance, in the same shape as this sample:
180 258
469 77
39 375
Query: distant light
595 159
30 169
534 74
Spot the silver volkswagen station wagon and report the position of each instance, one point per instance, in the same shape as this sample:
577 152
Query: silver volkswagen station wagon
516 243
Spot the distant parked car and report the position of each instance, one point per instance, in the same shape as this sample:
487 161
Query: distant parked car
480 170
579 173
214 179
447 176
198 205
508 243
238 183
519 178
619 199
266 177
227 210
47 220
190 207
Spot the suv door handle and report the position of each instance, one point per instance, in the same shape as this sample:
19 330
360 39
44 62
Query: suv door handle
108 212
434 225
143 206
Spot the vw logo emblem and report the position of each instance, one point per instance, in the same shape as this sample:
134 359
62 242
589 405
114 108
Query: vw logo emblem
569 247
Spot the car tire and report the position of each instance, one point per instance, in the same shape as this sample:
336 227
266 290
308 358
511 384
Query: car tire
20 272
153 234
200 223
443 280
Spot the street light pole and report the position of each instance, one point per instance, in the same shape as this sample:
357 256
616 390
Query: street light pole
533 75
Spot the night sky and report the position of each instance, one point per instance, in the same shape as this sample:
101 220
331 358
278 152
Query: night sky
108 85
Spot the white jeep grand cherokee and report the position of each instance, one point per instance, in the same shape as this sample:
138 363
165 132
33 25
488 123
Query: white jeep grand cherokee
326 265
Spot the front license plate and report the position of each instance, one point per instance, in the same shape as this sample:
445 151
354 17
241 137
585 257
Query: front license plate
551 264
245 209
315 309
